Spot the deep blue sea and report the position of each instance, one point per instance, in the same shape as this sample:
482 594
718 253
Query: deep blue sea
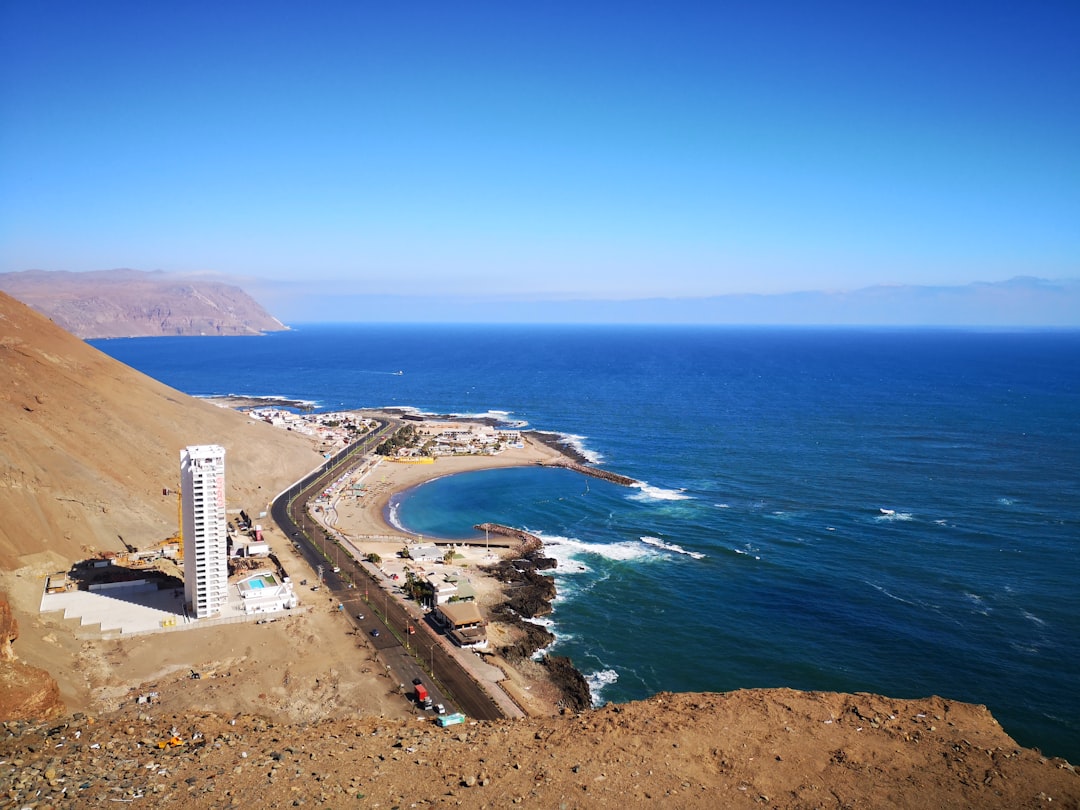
859 510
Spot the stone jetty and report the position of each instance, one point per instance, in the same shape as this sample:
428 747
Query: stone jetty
595 472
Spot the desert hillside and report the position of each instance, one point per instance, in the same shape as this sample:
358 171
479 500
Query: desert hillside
132 303
87 445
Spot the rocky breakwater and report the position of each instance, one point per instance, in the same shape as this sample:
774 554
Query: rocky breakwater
529 595
595 472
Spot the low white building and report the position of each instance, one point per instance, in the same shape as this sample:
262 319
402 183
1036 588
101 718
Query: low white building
426 553
266 592
443 589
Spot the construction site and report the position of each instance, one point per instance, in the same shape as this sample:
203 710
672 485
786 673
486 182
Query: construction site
138 591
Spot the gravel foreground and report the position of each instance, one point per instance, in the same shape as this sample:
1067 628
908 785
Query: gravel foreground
755 748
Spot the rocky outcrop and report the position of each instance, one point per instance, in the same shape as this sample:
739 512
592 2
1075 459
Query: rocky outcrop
131 303
570 682
529 594
26 692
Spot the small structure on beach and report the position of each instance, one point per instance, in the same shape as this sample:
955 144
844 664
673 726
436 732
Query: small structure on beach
463 622
427 553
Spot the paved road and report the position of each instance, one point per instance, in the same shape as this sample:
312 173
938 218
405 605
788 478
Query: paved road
419 654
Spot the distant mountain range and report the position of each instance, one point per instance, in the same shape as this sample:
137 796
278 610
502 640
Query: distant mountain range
133 303
1019 302
129 303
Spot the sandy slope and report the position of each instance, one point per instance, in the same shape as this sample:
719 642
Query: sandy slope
87 445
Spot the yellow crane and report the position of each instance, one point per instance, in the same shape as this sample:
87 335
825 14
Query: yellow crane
177 538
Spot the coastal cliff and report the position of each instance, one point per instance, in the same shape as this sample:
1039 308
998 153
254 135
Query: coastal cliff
131 303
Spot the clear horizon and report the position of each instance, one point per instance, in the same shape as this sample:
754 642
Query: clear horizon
607 152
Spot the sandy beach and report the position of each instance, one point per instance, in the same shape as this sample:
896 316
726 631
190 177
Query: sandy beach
364 516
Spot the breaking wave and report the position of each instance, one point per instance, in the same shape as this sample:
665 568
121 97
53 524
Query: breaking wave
677 549
647 492
597 681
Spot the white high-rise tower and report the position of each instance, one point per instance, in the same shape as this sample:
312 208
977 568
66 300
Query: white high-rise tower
206 553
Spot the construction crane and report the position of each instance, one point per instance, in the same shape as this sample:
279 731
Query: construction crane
177 538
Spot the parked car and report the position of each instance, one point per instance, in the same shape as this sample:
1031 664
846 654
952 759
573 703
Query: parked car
360 616
375 632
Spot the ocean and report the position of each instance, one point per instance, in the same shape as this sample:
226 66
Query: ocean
889 511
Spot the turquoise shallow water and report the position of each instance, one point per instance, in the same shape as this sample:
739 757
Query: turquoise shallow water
886 511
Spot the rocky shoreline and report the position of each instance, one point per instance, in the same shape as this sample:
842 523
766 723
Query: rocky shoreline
529 595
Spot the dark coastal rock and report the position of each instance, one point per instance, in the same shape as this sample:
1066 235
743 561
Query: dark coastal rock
533 636
571 683
558 442
529 594
533 597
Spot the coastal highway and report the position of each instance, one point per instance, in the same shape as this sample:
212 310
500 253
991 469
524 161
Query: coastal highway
406 643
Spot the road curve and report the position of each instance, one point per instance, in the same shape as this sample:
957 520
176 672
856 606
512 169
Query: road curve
407 655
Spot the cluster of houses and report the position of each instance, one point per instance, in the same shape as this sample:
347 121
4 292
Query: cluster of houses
452 600
467 438
334 431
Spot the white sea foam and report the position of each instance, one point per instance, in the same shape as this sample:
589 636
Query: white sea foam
646 492
597 681
748 550
1006 501
392 516
577 443
568 551
493 415
409 409
723 506
890 515
281 400
539 621
888 593
658 543
1031 617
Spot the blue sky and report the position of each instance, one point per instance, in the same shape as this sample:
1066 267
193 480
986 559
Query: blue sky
556 150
